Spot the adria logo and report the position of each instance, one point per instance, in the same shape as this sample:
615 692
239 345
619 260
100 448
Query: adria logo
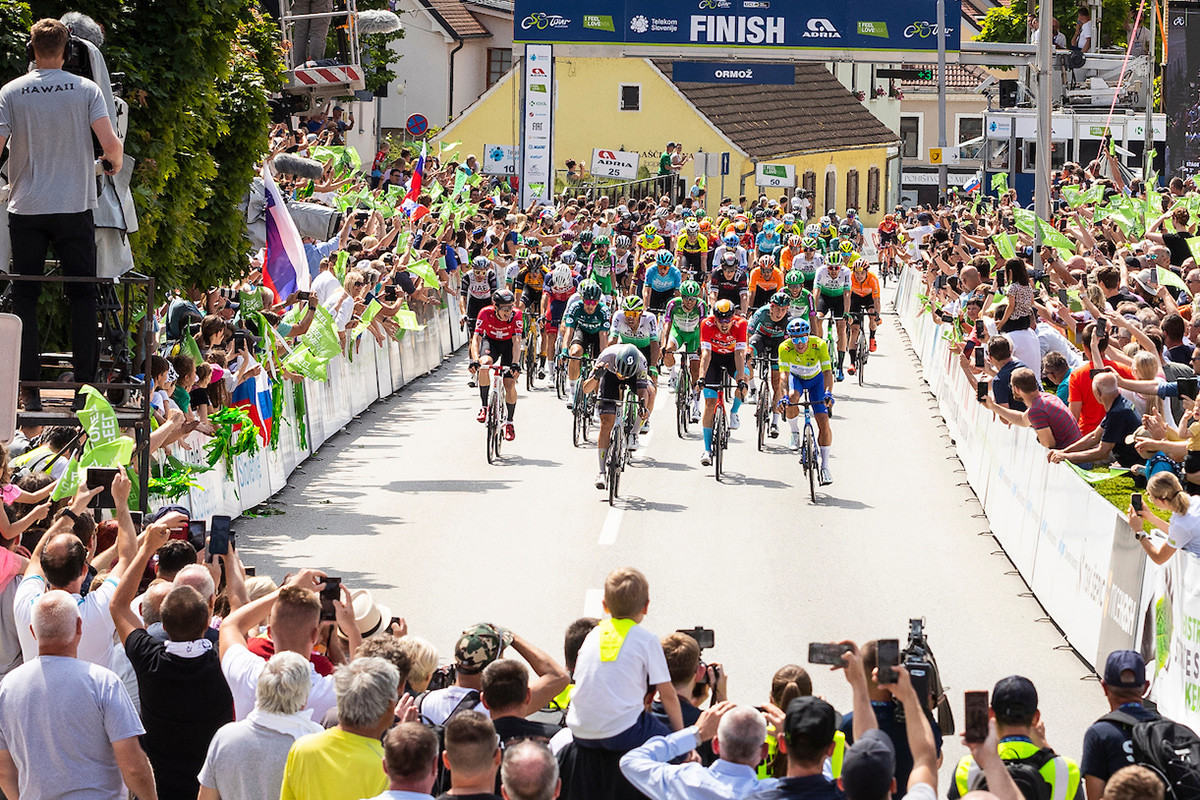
537 71
607 154
821 28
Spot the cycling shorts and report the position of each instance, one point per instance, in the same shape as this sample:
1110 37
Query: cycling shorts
887 238
501 350
766 344
688 341
653 368
554 314
532 298
859 302
606 283
814 387
590 342
692 262
834 305
761 298
659 300
474 306
719 365
610 391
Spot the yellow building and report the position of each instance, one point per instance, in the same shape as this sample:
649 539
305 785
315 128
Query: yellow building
839 150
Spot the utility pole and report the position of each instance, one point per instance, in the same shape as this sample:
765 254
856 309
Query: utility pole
1147 162
1044 109
941 34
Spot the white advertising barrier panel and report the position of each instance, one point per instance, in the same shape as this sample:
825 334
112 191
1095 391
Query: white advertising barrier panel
1169 623
615 164
1069 544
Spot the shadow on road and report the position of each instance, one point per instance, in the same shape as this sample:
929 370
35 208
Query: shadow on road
738 479
635 503
414 487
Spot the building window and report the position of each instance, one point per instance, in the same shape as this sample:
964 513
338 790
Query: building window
809 184
852 189
969 129
830 189
631 97
873 190
910 137
499 63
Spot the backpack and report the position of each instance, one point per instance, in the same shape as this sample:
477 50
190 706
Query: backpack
1026 774
469 701
1168 748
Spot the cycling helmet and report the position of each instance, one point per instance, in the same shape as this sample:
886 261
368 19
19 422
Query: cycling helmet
851 212
687 212
664 258
568 257
622 242
503 297
798 328
689 289
481 263
845 230
586 236
760 215
846 247
794 278
633 304
562 277
650 230
767 261
522 253
780 299
740 226
627 362
568 236
532 242
704 225
661 213
769 227
729 259
812 229
535 260
789 219
834 259
603 241
810 243
723 310
547 214
825 221
692 226
730 240
590 290
890 217
701 213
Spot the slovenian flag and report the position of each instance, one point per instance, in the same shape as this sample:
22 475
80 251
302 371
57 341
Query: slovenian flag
285 266
972 184
414 184
254 395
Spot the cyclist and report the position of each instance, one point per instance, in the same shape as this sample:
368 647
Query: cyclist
602 267
833 299
566 244
649 242
805 358
827 234
498 339
530 283
864 297
856 227
886 239
808 261
623 256
514 266
790 227
475 293
706 230
767 330
681 328
560 286
585 327
634 326
662 282
800 297
586 246
767 241
788 252
722 352
729 244
691 249
729 283
619 365
665 227
765 281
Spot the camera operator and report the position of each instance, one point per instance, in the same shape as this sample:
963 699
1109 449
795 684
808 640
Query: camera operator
891 722
47 117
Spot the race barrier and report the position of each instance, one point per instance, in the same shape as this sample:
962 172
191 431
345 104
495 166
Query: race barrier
314 411
1073 548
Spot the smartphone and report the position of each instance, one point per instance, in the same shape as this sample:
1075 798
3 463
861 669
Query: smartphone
1135 500
1188 387
705 637
331 592
1102 327
981 390
136 517
999 280
196 534
101 476
1064 298
393 621
1153 276
887 658
219 536
389 294
980 330
239 340
251 572
303 296
979 357
827 653
975 707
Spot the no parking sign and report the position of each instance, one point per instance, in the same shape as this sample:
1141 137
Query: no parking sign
416 125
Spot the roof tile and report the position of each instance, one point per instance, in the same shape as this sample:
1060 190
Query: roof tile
457 19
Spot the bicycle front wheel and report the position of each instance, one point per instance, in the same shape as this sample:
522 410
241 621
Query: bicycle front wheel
493 425
580 411
615 446
864 350
811 461
762 411
718 443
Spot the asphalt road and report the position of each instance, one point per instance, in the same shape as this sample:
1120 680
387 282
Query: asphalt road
403 502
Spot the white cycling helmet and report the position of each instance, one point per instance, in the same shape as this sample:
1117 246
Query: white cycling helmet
562 277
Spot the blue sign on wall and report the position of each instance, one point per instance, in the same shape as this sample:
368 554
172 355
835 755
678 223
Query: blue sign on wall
735 72
770 24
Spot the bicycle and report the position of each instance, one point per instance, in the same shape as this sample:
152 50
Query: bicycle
619 453
862 346
765 366
530 342
720 439
683 393
583 405
809 454
497 413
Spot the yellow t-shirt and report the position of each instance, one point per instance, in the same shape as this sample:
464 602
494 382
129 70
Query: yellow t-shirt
334 765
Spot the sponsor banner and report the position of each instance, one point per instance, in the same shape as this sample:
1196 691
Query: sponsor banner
615 164
1179 92
775 175
500 159
790 24
537 135
733 73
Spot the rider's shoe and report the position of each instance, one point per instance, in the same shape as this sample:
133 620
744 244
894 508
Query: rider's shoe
850 369
706 459
541 374
795 440
773 431
471 384
482 415
873 346
671 384
734 422
841 374
633 442
601 481
510 432
826 478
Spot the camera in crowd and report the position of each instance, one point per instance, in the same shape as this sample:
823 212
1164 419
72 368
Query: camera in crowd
917 658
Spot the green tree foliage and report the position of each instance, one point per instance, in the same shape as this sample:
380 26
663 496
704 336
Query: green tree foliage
14 32
1007 24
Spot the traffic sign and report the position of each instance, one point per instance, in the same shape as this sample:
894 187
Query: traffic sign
935 155
416 125
724 163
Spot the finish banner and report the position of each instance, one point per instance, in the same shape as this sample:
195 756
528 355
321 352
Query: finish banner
792 25
1181 92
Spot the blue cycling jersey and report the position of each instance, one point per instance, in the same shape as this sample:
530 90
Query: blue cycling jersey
664 283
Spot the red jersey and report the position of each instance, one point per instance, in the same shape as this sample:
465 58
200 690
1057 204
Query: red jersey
712 339
493 327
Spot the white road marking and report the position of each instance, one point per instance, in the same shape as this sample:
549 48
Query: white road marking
612 522
593 603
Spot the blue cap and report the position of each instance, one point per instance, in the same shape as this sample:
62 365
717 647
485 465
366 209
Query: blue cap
1121 661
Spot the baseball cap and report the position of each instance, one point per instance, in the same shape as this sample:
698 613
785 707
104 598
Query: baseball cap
1014 696
1120 661
811 720
869 766
478 646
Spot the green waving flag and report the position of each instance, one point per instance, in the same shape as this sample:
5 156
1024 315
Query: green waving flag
1026 221
423 269
1000 182
321 338
368 315
1004 245
1073 195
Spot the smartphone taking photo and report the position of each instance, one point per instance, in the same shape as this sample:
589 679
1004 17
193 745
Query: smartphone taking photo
827 653
331 592
220 536
887 658
975 708
101 477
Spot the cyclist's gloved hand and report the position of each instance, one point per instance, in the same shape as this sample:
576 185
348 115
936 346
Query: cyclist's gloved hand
782 404
829 397
473 365
741 385
514 370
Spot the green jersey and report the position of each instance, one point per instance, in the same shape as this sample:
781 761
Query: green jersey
683 320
